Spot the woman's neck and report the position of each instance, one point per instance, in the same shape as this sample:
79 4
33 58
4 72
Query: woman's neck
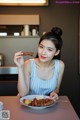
45 64
43 68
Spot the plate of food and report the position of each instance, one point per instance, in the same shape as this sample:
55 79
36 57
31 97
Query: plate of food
37 101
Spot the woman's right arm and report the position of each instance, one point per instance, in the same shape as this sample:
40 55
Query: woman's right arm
23 74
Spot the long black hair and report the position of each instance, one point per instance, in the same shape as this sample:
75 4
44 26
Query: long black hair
55 36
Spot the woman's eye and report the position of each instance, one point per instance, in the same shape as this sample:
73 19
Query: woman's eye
41 46
50 49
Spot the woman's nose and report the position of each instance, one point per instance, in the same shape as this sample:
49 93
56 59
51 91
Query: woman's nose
44 52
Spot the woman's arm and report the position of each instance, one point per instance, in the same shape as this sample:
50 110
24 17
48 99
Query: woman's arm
23 73
62 66
23 79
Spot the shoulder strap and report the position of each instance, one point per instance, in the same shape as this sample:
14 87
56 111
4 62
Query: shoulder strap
33 67
57 67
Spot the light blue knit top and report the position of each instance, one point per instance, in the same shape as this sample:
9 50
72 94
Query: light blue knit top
43 87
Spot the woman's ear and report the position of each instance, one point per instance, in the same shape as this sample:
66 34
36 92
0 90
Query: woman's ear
57 52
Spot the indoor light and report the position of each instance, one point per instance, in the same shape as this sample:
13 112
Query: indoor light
24 2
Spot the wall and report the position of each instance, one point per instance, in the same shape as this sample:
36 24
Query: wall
10 45
66 17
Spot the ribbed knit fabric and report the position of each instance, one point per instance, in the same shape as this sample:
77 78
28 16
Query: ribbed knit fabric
43 87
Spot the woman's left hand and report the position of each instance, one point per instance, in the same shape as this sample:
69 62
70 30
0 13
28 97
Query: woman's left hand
54 96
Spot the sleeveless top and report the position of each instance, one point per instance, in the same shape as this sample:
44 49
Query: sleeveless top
43 87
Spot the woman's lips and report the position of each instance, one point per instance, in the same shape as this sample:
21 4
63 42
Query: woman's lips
43 57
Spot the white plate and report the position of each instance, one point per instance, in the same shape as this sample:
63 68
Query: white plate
31 97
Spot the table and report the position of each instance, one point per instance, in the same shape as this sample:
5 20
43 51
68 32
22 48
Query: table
62 110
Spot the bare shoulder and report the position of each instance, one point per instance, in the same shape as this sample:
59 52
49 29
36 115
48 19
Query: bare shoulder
27 66
62 65
27 63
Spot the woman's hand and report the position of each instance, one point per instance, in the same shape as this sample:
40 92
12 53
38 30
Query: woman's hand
18 59
54 95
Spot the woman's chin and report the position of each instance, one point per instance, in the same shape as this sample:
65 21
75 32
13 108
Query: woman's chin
43 60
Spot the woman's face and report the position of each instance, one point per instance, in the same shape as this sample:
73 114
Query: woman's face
46 50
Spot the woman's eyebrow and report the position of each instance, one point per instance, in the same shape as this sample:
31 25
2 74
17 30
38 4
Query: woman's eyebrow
47 47
50 48
41 44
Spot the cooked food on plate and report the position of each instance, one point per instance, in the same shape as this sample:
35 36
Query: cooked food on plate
39 102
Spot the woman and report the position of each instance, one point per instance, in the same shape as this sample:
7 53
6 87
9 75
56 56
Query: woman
42 75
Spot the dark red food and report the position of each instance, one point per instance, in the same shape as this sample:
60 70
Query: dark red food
41 102
27 53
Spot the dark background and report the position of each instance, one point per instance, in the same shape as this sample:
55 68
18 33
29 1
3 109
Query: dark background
65 16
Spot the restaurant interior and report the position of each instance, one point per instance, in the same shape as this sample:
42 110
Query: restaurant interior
15 18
